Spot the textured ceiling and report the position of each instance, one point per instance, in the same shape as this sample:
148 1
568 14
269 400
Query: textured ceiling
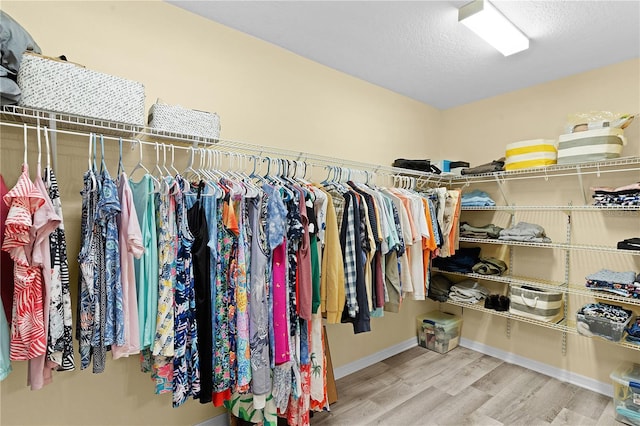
418 49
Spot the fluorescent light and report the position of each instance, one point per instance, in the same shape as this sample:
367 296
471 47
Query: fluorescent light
486 21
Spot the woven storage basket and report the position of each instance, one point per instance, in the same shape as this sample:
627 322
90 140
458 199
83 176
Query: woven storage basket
59 86
180 120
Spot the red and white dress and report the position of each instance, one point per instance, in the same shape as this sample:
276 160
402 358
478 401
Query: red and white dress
28 334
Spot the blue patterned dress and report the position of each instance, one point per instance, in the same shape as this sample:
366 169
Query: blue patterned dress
186 371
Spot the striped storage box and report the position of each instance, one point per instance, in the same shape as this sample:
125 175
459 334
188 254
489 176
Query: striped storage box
591 145
532 153
537 304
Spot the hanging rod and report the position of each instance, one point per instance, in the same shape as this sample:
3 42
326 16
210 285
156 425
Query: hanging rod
134 134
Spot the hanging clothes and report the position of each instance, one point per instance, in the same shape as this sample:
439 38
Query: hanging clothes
225 344
108 322
202 286
259 306
130 240
146 267
60 340
186 370
45 221
87 262
163 347
5 359
28 334
6 264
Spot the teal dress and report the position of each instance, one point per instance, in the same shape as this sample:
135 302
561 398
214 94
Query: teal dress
146 267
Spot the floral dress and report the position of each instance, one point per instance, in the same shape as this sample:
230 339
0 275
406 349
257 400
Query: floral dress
60 343
86 261
224 359
186 371
167 234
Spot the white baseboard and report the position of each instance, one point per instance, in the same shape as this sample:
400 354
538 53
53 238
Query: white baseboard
361 363
546 369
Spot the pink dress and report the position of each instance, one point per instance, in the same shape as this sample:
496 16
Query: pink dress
130 238
280 305
45 221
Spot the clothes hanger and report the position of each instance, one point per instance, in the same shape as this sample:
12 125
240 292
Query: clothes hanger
173 168
120 166
189 170
157 170
24 161
39 139
91 166
139 165
46 140
167 172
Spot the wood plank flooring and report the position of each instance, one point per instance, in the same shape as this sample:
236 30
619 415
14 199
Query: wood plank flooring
462 387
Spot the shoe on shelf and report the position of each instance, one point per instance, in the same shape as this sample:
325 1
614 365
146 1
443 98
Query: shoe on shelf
503 304
491 301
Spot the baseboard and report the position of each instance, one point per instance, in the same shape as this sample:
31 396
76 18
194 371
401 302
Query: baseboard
546 369
361 363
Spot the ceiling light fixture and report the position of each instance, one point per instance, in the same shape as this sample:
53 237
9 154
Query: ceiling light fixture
486 21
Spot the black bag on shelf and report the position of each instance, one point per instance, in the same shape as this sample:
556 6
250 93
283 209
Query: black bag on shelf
420 165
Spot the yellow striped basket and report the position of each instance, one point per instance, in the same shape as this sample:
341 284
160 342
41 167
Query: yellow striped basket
532 153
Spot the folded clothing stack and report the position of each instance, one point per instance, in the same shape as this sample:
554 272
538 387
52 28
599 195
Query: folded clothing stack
625 284
462 261
629 244
468 291
489 266
439 288
633 332
494 166
627 195
477 198
481 232
526 232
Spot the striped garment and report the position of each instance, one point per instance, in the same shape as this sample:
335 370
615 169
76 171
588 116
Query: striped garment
28 334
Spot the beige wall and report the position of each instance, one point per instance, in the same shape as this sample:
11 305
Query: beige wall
264 95
268 96
483 128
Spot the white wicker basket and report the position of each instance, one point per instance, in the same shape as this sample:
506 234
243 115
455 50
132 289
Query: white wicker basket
59 86
183 121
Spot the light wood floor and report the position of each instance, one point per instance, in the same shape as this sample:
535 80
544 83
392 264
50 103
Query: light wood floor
462 387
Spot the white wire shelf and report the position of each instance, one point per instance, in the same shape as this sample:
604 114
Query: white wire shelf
592 208
78 125
556 170
560 326
19 114
547 285
565 326
562 246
